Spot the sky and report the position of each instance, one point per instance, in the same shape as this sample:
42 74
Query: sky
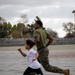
53 13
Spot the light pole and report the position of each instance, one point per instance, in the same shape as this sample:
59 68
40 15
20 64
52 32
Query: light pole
74 16
74 20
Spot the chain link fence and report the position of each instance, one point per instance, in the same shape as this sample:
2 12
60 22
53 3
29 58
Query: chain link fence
21 41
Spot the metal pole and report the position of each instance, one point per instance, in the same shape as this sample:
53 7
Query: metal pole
74 16
74 19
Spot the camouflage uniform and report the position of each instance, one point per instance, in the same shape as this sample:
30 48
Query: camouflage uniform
44 52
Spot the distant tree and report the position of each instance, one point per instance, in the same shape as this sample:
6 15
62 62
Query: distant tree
26 30
17 30
5 30
24 19
16 34
31 29
9 27
1 31
23 29
20 26
2 20
73 34
14 27
69 35
52 33
37 18
20 31
69 28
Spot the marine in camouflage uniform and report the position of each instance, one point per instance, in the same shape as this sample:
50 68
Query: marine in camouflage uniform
40 38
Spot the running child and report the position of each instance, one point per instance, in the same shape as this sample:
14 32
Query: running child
33 64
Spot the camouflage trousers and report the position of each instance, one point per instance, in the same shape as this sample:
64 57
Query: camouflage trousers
44 60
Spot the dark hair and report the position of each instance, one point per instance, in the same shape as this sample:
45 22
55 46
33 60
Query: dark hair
39 22
30 43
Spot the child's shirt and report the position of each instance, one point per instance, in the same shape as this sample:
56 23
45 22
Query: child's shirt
31 55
